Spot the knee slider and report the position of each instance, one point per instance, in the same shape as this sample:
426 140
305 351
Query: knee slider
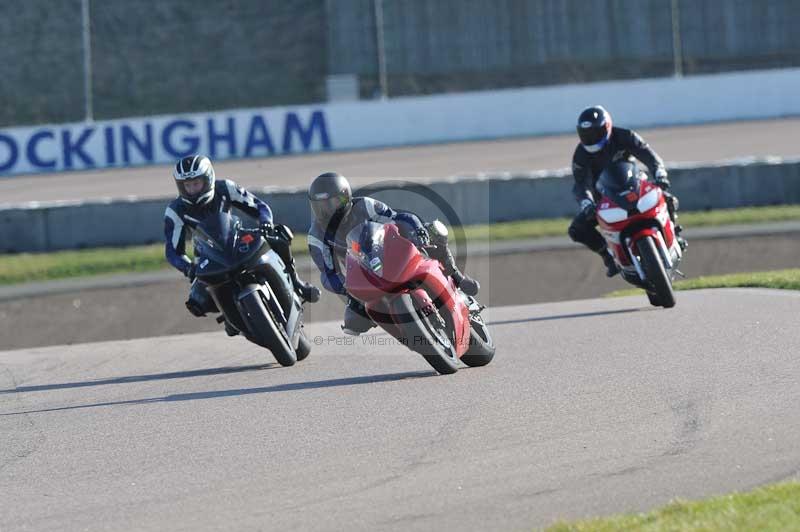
575 233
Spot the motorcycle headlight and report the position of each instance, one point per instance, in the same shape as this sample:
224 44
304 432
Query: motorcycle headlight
649 200
612 215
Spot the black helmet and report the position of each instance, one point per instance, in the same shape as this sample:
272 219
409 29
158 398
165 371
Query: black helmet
329 194
190 168
594 128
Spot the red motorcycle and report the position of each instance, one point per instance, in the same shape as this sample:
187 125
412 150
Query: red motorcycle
409 296
634 219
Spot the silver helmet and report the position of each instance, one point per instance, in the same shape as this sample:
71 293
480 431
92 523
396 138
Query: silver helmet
187 171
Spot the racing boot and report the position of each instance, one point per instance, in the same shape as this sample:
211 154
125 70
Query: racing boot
611 266
465 283
280 240
672 208
305 290
681 241
356 320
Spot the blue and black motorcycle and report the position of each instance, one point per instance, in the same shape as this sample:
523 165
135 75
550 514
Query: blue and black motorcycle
248 282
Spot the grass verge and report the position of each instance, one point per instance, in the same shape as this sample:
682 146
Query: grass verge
31 267
780 279
775 507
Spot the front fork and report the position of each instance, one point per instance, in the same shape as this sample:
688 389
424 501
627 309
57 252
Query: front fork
670 262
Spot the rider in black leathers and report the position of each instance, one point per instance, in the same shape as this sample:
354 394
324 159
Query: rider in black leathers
336 212
600 144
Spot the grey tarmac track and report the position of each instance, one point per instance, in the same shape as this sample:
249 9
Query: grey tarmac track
696 143
589 408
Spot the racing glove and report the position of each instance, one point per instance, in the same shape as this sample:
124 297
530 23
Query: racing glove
661 179
423 237
267 229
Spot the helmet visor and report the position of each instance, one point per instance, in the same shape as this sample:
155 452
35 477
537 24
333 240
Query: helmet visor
325 208
592 135
193 189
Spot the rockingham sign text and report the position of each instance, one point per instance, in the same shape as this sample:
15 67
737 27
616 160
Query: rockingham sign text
398 122
255 133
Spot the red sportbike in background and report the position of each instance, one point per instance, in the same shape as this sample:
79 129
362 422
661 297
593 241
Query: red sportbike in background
634 219
409 296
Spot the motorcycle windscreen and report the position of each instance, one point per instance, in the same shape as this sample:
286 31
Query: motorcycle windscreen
620 183
380 250
365 245
214 240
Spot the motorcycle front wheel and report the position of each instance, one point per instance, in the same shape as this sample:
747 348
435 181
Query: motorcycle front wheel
264 329
428 335
656 274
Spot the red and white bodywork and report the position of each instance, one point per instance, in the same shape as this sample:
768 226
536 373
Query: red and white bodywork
624 229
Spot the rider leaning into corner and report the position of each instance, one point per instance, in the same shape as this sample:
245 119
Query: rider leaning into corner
198 197
600 144
336 212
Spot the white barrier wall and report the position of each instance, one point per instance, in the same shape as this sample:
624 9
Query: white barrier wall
467 201
401 121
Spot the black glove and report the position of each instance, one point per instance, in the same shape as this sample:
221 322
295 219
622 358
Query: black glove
588 209
423 237
267 229
661 179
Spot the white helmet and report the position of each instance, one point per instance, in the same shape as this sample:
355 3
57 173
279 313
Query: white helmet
193 167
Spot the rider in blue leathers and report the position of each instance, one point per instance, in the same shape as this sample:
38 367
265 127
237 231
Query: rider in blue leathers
336 212
199 195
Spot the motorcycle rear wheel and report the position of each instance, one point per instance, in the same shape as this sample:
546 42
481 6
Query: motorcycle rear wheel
427 337
303 346
481 344
655 272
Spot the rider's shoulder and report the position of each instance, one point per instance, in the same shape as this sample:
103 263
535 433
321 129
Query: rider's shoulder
369 206
362 204
580 153
227 186
621 134
175 207
315 230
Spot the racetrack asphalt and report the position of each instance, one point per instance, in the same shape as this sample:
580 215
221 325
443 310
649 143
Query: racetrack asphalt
695 143
590 408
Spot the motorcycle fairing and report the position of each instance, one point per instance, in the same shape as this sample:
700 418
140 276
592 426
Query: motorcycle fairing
403 269
637 224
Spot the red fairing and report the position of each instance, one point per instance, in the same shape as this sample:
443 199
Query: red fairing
643 233
618 227
405 266
400 263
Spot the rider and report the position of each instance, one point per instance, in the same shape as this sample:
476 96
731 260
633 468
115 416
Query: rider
336 212
198 197
600 144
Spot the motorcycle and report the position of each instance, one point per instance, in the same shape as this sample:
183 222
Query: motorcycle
408 295
248 283
634 219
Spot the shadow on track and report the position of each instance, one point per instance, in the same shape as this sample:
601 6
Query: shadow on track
143 378
571 316
349 381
